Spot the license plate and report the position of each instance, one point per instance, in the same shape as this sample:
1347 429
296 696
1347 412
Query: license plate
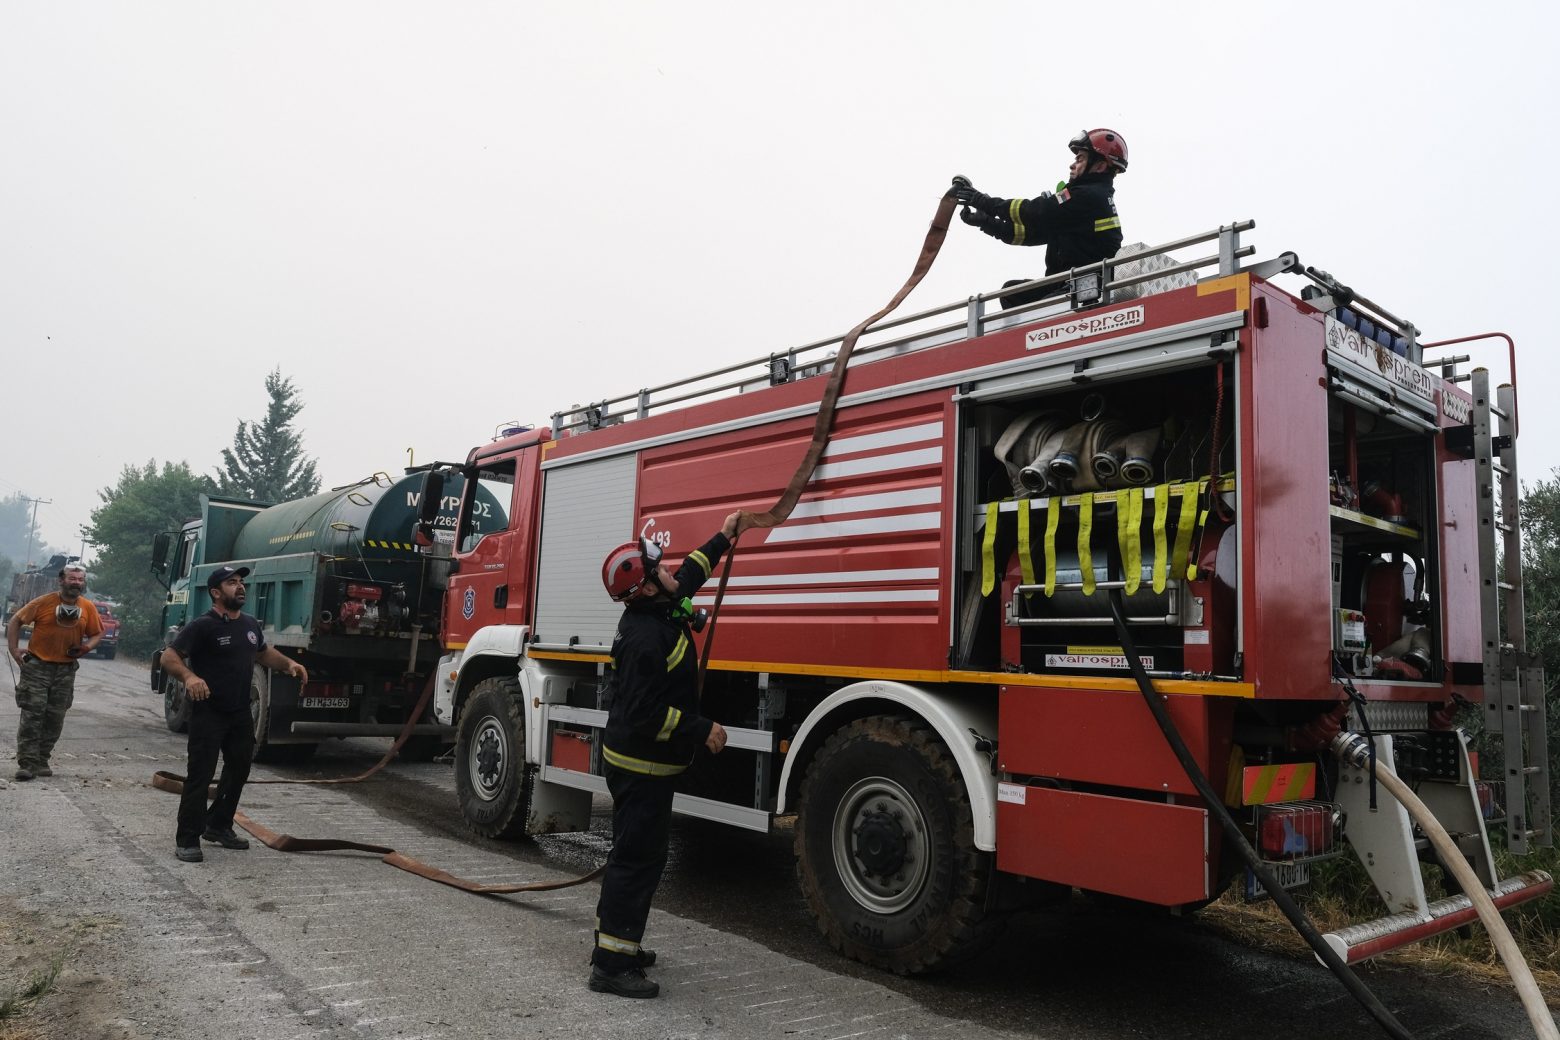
1289 875
325 702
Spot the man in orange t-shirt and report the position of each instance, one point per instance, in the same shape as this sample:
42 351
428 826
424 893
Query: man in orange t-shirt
65 626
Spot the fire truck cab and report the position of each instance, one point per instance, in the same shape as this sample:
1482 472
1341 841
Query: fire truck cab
920 670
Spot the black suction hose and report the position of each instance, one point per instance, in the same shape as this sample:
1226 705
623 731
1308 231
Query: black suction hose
1215 804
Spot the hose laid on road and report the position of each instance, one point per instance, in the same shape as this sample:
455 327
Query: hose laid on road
1353 749
174 784
1281 898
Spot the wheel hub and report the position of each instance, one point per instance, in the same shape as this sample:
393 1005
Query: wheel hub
487 760
881 843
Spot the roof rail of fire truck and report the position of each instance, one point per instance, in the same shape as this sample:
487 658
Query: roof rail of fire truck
1127 276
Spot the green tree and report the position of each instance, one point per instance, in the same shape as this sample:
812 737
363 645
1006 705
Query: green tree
16 517
266 462
1540 517
146 502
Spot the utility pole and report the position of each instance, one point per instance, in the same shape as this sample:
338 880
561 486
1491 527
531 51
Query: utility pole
33 526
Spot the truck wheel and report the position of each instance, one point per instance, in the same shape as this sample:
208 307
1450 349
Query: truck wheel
885 850
260 715
176 705
108 655
490 760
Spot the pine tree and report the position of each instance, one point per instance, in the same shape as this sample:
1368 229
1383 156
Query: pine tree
266 462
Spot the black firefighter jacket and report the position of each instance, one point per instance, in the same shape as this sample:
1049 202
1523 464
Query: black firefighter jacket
1078 225
653 725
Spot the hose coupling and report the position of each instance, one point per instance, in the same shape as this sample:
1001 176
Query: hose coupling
1351 749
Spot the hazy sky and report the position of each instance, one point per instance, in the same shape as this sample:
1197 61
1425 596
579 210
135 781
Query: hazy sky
438 217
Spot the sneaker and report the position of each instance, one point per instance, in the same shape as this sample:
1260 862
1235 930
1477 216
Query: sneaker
189 855
45 771
628 983
228 839
24 774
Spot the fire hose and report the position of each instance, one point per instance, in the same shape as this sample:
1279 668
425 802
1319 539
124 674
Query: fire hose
174 784
1355 750
775 515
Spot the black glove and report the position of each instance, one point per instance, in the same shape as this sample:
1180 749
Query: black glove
972 217
963 190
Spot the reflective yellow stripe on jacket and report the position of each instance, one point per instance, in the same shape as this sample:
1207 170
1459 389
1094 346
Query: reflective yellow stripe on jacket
1014 208
1107 224
674 658
639 765
703 561
673 717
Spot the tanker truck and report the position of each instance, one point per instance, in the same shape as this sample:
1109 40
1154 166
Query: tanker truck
340 582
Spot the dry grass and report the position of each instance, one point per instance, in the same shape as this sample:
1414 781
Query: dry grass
1342 895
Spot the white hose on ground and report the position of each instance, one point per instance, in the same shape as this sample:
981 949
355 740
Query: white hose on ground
1357 752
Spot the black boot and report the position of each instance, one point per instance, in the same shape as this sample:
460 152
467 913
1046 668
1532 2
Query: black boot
630 982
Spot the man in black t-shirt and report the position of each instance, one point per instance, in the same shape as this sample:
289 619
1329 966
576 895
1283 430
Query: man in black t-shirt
214 657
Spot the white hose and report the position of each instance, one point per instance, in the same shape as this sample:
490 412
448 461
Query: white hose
1452 857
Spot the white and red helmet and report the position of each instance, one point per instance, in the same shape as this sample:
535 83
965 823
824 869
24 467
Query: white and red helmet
628 567
1104 144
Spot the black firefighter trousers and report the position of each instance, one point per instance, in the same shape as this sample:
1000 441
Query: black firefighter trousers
641 828
232 733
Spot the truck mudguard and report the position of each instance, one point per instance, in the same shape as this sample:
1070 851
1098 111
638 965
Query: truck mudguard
505 642
957 720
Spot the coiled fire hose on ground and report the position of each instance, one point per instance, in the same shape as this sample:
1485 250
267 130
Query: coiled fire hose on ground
1353 749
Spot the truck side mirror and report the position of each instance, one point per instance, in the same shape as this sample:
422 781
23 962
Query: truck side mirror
429 498
160 546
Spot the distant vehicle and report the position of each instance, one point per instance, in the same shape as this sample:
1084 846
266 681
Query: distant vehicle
107 610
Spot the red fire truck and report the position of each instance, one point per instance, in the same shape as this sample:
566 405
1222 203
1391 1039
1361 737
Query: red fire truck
920 666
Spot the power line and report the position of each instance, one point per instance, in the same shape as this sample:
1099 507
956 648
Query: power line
33 524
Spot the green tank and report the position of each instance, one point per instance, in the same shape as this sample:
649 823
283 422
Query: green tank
367 520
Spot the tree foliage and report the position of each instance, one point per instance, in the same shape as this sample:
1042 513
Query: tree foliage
144 503
1540 518
266 461
16 516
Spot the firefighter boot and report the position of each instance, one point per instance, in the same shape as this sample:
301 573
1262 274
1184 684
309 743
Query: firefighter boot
630 982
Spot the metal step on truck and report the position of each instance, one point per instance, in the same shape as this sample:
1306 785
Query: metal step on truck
1299 510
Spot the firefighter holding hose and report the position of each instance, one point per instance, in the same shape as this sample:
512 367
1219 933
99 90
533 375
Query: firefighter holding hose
654 729
1078 224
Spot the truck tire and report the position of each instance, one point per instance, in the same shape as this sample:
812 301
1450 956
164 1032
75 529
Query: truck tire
490 760
885 850
108 653
176 705
260 714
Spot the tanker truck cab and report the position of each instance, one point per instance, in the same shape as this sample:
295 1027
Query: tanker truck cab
488 603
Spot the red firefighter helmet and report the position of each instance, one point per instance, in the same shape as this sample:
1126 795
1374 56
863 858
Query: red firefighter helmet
628 566
1106 144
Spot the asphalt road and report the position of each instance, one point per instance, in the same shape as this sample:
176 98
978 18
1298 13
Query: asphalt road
261 944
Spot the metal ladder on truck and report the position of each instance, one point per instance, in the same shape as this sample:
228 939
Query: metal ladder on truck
1513 677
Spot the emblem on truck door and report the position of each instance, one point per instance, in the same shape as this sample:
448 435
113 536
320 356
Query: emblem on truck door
468 605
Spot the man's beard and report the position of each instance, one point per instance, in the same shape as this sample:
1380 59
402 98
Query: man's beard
231 603
70 594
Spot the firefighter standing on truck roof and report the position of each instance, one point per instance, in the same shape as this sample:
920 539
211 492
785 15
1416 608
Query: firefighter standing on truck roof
653 731
1078 225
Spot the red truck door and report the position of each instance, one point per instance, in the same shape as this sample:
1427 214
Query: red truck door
492 579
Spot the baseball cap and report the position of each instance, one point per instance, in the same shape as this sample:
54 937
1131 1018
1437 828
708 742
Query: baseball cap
222 574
